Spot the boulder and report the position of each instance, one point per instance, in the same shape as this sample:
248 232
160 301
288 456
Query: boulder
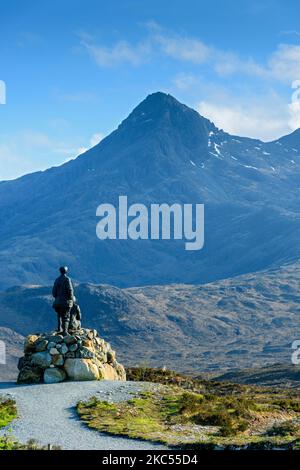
54 375
64 349
81 356
81 369
58 360
41 359
41 345
30 375
70 339
57 339
53 351
109 373
29 345
86 353
111 356
90 334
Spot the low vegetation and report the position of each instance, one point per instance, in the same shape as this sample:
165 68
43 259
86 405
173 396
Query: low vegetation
183 411
8 412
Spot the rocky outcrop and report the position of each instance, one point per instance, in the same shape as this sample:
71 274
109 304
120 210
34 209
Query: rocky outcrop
52 358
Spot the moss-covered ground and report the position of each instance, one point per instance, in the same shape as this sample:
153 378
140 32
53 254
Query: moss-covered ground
178 410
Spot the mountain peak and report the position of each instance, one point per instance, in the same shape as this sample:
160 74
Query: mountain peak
161 98
158 102
160 107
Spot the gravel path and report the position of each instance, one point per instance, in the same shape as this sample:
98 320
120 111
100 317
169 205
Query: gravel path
47 414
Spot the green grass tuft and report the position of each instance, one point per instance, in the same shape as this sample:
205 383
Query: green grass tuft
8 411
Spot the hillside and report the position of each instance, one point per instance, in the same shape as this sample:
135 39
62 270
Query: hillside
277 375
244 322
164 152
14 345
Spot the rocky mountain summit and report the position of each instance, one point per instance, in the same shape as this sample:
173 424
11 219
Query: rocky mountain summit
52 358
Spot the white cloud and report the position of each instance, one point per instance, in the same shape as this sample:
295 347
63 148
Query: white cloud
183 48
76 97
284 63
228 63
121 52
94 140
16 155
35 139
30 150
291 32
281 65
294 106
262 121
185 81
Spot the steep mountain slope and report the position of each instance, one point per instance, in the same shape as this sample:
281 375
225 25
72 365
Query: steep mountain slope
164 152
246 321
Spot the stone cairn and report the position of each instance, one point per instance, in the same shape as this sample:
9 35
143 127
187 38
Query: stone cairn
52 358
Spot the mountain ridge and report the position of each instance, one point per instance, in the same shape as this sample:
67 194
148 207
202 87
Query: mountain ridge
165 97
250 190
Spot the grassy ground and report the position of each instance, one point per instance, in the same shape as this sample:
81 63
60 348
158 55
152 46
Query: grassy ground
182 411
8 412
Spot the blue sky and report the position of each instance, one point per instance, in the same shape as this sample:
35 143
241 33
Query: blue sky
74 69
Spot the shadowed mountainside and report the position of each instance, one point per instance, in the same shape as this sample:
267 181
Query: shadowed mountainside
164 152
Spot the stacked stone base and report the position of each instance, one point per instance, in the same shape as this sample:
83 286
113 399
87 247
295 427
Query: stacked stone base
52 358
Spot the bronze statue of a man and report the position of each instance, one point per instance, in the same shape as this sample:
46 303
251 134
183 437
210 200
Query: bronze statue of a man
63 294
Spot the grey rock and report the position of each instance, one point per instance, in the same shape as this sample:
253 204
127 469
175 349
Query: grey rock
70 339
90 334
54 352
86 353
58 360
81 369
70 354
111 356
41 359
64 349
41 345
30 375
102 357
57 339
87 362
54 375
